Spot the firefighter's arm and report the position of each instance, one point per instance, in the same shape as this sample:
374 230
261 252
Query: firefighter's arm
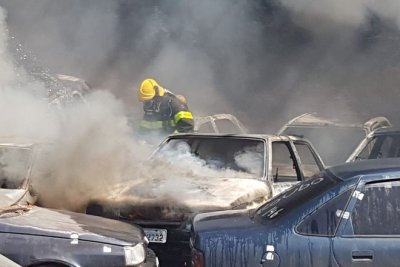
183 119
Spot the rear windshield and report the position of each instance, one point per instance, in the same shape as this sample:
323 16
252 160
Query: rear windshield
334 144
298 194
246 157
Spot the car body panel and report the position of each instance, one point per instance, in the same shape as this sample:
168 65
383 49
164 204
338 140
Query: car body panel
63 224
246 239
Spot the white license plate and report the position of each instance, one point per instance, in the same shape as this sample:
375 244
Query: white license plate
156 235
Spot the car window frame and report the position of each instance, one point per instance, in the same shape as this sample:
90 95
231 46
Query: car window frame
346 190
266 142
295 157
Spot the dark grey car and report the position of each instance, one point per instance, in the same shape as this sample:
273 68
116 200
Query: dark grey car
34 236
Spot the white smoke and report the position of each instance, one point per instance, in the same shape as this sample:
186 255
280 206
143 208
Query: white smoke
85 146
182 163
88 147
251 159
14 166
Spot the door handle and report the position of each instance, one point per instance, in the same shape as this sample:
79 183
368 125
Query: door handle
362 255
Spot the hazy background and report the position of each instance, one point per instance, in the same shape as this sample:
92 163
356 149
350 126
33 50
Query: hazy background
264 61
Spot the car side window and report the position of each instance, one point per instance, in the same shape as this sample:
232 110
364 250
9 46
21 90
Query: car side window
308 160
377 213
325 220
284 168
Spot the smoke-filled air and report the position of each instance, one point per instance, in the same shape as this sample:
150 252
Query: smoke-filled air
262 61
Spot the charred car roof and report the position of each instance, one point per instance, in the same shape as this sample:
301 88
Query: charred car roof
219 123
386 131
311 119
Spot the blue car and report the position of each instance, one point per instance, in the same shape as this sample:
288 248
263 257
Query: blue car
347 216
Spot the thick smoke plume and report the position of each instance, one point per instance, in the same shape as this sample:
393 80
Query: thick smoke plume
343 13
264 61
87 147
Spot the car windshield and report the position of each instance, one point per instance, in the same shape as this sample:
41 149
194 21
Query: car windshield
334 144
14 166
245 157
300 193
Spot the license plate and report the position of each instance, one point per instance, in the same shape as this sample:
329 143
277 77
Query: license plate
156 235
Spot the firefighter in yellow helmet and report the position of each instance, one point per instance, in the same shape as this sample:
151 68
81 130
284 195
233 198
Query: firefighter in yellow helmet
163 111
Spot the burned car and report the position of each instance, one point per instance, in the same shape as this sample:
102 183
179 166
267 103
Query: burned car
334 140
216 172
381 143
347 216
35 236
62 89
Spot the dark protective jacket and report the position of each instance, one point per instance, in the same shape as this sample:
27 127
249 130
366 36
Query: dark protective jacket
166 114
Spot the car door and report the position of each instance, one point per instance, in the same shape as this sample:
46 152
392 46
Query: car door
284 170
370 232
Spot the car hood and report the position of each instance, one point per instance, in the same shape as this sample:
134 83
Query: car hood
174 200
63 224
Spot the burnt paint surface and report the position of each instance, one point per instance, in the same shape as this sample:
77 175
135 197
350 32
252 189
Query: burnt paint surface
27 249
239 239
40 221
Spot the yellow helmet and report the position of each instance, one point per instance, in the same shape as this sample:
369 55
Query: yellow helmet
181 98
148 89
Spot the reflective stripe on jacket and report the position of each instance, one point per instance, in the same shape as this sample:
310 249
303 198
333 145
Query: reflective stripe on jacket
151 125
183 115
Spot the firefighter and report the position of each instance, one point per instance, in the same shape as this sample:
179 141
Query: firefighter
164 113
